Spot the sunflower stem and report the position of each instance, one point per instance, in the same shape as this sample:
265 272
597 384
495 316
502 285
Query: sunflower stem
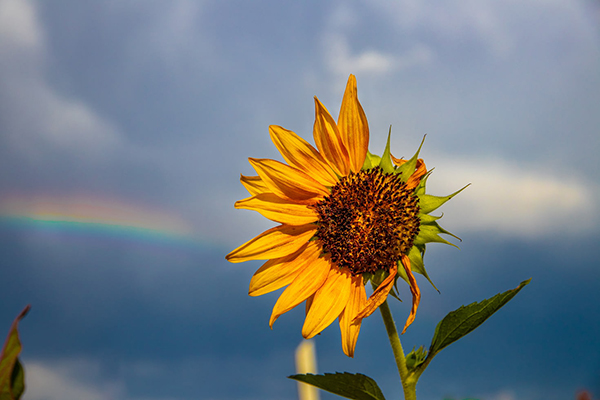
408 383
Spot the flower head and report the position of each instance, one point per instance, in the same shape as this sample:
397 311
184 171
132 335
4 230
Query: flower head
346 217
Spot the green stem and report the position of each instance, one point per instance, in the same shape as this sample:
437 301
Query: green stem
408 382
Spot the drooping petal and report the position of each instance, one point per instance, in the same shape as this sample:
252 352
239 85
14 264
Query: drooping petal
279 210
288 182
298 153
279 272
379 295
348 326
415 178
414 290
253 184
329 302
305 285
276 242
328 140
353 126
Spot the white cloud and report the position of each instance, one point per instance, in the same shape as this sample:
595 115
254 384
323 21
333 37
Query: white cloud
18 25
37 118
341 60
514 200
71 380
78 379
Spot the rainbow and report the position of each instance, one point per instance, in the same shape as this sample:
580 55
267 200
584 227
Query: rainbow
88 216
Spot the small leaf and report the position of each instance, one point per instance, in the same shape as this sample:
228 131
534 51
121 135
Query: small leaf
11 371
351 386
465 319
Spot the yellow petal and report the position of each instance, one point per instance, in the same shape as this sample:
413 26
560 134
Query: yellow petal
348 326
288 182
253 184
414 290
328 140
353 126
379 295
329 302
305 285
276 242
279 210
280 272
298 153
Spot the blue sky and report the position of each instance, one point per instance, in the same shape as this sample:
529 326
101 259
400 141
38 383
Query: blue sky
160 103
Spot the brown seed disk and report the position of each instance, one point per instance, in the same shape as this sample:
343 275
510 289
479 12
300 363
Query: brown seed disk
368 221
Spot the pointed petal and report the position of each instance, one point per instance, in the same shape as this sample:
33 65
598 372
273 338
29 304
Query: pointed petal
348 326
276 242
298 153
328 141
305 285
415 291
254 185
329 302
288 182
279 210
379 295
353 126
280 272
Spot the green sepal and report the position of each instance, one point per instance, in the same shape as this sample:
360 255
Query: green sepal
407 169
417 265
350 386
429 203
386 159
465 319
415 358
371 161
429 233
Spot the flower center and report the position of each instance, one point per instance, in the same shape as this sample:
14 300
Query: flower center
368 221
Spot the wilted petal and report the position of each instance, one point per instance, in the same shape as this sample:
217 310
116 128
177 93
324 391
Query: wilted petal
379 295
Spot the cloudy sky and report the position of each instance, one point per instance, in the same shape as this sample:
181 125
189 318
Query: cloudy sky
142 114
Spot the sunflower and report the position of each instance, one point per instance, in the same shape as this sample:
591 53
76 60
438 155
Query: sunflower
346 217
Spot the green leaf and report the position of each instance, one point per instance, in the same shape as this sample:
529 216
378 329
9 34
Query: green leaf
351 386
11 371
465 319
